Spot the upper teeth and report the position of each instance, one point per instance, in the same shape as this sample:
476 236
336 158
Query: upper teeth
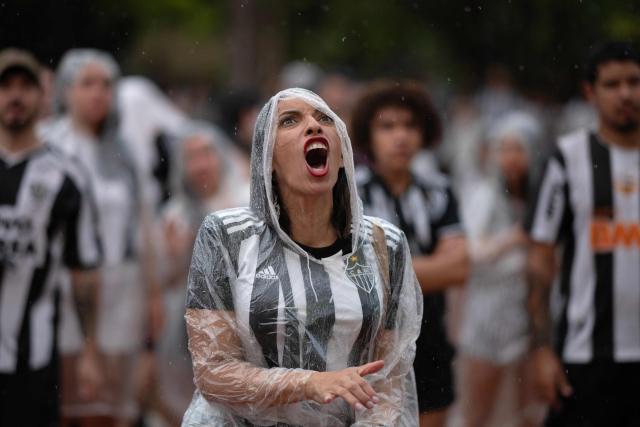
316 145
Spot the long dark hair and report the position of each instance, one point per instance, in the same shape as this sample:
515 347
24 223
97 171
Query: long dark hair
340 215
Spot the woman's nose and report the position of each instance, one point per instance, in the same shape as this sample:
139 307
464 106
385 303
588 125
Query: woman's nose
313 126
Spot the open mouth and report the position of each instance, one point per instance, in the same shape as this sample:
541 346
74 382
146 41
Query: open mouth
316 154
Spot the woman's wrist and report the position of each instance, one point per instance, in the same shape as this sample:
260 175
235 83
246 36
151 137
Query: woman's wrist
307 386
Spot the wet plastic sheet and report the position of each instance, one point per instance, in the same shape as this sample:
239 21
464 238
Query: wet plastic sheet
263 315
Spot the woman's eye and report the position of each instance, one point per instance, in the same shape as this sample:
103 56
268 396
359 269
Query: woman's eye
326 119
287 121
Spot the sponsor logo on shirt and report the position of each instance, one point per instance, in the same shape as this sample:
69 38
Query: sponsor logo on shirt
606 235
16 238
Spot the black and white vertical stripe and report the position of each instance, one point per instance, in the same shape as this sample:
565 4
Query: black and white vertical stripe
292 310
426 212
589 200
46 218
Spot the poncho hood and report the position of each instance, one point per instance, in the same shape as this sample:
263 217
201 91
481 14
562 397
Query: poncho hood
262 191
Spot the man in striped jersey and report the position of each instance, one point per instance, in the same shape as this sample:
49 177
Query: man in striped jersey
46 219
589 203
391 122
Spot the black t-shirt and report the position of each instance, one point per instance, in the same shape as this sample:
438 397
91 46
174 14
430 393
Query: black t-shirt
341 244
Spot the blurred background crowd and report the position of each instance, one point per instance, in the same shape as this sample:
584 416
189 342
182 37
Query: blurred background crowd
159 100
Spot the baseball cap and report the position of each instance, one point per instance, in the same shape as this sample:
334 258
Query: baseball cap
18 59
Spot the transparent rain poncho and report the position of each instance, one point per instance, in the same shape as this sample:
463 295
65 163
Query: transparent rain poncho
496 324
263 314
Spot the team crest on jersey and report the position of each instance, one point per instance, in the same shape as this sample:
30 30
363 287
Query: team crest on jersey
627 185
361 275
38 190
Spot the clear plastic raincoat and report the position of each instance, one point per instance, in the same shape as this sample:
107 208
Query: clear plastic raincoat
263 314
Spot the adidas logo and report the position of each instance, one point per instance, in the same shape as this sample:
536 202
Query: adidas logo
267 273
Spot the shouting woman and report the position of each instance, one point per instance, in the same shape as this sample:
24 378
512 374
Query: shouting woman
300 310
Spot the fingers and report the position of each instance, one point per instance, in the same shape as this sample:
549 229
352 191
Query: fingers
563 384
356 398
556 387
347 384
355 387
370 368
366 387
349 398
329 398
358 390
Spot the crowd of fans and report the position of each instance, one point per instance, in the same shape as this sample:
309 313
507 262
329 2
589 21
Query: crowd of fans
155 173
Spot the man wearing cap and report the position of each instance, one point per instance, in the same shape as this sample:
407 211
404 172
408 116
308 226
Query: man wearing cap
47 228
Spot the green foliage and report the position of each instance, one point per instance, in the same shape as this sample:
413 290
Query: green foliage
542 42
197 18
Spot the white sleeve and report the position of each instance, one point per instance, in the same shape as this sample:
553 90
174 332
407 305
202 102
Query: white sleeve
548 209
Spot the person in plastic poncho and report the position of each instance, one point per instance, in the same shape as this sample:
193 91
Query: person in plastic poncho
300 310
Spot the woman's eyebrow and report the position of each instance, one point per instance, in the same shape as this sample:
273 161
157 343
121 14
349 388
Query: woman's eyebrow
289 112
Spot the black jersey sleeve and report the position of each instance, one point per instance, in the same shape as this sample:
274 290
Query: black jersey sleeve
76 207
448 222
208 285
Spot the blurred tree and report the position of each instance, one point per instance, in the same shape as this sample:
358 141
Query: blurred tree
243 43
542 42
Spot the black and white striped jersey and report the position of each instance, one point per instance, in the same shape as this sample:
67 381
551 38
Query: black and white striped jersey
47 219
261 306
589 200
426 212
318 314
292 310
